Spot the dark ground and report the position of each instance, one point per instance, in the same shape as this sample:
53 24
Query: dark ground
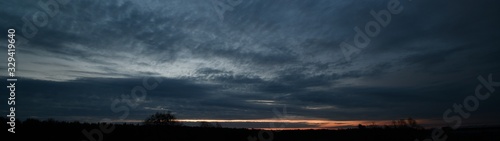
50 130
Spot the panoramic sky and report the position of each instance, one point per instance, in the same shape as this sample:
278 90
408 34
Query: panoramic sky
254 62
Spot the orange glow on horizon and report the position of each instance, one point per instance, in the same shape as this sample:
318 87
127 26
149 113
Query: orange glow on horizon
319 124
314 123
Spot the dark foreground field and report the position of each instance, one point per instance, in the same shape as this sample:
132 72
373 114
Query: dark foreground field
54 130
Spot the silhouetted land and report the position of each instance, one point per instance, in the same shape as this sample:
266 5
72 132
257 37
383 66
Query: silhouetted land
56 130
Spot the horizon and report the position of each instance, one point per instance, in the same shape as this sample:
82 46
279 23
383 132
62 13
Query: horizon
289 124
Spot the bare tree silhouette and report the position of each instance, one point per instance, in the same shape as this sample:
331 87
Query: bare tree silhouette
406 123
167 119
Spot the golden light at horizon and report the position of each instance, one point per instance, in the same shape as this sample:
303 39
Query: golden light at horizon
314 123
318 123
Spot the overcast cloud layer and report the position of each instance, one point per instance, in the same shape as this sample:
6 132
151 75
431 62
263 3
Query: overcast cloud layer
264 54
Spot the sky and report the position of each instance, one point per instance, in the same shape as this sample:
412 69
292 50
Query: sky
252 63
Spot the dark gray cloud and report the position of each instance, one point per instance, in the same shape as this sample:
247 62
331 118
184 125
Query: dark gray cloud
263 55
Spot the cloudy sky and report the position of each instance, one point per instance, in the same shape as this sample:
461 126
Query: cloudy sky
81 60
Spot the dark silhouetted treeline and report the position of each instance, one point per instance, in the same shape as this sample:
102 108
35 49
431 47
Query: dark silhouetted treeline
51 130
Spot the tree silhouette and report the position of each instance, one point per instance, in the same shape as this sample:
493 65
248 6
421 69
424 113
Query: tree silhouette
361 126
412 123
406 123
167 119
